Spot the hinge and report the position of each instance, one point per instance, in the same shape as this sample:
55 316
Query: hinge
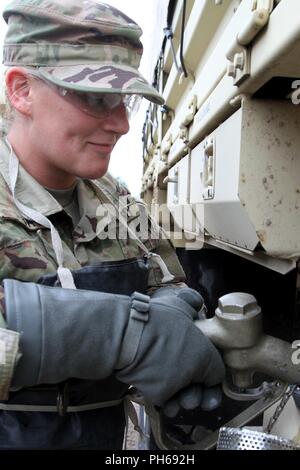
239 66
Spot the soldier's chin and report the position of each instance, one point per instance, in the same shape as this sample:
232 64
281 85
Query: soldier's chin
96 171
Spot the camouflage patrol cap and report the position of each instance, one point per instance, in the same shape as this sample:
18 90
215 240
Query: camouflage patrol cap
83 45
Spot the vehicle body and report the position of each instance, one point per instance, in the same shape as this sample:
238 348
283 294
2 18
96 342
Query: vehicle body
222 155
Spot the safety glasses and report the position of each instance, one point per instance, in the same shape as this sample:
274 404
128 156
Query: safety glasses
98 105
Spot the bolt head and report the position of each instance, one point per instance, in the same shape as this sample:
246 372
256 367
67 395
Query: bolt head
238 303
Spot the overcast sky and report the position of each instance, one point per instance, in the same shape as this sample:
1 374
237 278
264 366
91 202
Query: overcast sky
127 157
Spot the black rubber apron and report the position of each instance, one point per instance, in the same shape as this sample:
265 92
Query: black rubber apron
101 428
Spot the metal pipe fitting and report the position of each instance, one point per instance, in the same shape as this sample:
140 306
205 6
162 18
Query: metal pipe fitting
237 330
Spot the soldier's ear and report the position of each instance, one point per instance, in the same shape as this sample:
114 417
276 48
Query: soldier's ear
19 90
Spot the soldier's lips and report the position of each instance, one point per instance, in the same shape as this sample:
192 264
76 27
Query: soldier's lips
102 147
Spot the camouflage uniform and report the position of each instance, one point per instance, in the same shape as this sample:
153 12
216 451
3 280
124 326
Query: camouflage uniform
88 47
26 255
26 249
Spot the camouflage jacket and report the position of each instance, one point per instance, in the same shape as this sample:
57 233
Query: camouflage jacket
26 251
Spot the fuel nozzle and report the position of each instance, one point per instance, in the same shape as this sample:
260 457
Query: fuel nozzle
236 329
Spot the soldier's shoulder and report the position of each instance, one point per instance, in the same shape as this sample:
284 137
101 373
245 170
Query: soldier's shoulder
114 185
8 208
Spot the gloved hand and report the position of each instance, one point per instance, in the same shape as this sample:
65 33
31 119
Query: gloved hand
193 396
152 344
186 293
174 354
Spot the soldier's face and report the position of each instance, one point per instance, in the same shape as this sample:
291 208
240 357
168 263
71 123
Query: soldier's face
67 142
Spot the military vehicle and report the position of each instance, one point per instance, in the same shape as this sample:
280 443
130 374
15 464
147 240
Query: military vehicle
221 174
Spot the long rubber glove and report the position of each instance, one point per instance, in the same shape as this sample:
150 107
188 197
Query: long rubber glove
150 344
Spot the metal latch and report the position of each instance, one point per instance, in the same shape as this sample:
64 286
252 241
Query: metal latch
173 179
239 65
188 118
208 172
191 111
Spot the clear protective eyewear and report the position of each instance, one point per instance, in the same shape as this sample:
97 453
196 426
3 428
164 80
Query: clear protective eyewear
98 105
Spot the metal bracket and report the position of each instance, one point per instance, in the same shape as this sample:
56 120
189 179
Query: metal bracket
248 394
208 173
258 407
192 108
239 66
165 442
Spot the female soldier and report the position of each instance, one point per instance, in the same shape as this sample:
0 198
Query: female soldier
84 313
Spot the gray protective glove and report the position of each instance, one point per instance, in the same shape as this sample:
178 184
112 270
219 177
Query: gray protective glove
173 356
191 296
150 344
194 396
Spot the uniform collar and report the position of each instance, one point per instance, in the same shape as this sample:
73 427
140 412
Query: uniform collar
28 190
